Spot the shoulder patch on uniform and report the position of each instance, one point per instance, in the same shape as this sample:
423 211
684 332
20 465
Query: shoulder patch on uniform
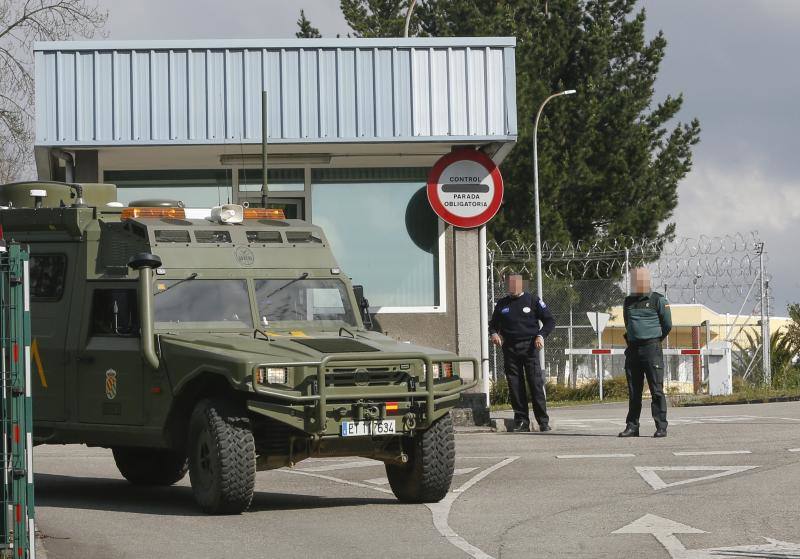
541 304
505 310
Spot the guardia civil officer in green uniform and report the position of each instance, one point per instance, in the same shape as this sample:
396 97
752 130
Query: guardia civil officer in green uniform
647 322
515 328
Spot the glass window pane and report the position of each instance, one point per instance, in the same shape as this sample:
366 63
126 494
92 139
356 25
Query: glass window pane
280 180
202 304
264 237
290 303
196 188
47 274
385 236
204 236
171 236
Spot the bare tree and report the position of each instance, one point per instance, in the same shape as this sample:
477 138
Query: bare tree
22 22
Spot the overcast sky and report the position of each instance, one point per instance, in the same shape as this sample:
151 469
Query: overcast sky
735 62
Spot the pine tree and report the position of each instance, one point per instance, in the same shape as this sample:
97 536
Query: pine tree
609 162
378 18
307 31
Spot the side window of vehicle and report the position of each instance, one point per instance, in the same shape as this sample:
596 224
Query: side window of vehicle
48 273
114 313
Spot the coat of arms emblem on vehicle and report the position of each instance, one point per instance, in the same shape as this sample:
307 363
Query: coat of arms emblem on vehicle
111 384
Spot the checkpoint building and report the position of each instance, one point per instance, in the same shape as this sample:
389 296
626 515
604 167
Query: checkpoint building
354 126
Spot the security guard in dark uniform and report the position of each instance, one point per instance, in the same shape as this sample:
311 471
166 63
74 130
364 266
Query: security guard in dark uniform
647 322
515 327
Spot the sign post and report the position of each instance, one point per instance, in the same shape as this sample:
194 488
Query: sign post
465 189
599 321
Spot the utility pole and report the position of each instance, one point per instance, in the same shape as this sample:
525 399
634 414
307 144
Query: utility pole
765 335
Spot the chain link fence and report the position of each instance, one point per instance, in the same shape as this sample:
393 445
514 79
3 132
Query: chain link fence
580 279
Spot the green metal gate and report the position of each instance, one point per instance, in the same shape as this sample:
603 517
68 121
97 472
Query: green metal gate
17 524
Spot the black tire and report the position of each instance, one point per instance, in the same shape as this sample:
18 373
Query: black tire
150 466
222 457
427 475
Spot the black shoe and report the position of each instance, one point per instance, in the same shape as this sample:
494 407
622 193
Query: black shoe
522 428
660 433
629 432
544 428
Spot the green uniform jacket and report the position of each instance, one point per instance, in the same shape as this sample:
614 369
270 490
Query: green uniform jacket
647 317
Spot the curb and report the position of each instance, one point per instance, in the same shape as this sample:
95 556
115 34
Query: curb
738 402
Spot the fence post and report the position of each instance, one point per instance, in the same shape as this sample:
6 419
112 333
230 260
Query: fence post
16 401
572 374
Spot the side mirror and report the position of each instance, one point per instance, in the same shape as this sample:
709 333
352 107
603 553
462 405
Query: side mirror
363 305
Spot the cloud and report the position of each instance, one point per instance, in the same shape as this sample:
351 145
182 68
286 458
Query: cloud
712 199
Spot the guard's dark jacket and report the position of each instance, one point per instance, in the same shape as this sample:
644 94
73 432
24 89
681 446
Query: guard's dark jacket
647 317
517 318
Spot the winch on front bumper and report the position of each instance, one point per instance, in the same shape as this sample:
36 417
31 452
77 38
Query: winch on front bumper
354 387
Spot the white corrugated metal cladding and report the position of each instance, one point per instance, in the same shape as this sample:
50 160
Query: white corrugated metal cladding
108 93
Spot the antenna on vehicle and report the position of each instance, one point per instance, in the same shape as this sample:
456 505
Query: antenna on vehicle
264 134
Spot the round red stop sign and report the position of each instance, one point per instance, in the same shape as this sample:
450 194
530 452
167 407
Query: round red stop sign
465 188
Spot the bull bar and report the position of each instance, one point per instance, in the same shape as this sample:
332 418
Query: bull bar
432 397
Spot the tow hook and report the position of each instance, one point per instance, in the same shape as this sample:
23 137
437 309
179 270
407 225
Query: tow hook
403 458
409 421
372 412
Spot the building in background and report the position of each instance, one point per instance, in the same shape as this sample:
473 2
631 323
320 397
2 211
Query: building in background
354 127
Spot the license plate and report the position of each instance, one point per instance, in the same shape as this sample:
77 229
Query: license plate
364 428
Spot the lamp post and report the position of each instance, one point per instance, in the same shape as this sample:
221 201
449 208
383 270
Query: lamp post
536 202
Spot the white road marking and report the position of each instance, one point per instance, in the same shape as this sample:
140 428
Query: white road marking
711 452
335 479
484 473
342 466
439 511
794 449
664 530
649 474
385 481
569 456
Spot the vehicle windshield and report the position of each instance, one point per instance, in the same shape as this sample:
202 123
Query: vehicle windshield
202 304
295 302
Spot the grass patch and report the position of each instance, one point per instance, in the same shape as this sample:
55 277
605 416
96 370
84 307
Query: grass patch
589 393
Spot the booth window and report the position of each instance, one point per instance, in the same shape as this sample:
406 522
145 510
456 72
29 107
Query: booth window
383 232
196 188
48 273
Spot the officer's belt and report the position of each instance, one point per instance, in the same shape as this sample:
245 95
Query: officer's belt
638 343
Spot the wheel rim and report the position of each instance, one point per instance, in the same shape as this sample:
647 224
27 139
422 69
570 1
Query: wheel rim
205 460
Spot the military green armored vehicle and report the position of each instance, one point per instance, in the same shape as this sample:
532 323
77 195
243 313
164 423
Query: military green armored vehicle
220 343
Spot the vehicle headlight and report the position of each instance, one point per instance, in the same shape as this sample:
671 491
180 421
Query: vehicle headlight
272 375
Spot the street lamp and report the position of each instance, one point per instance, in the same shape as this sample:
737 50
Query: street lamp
536 190
536 202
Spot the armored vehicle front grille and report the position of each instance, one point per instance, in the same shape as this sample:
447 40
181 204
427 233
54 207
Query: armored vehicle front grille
335 345
364 376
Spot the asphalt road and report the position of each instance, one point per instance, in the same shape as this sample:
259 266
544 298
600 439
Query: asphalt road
559 494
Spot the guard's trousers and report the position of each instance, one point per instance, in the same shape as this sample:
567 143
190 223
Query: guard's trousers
521 363
645 361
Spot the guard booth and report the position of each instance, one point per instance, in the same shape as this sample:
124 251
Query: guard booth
354 127
17 522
